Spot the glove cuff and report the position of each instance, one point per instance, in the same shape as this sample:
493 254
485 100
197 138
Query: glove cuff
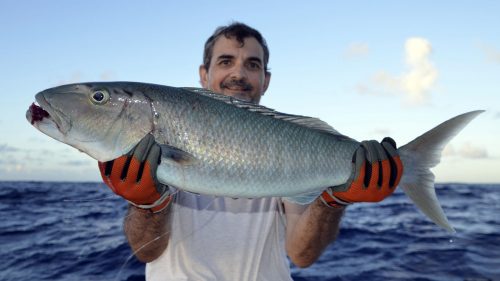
157 206
332 201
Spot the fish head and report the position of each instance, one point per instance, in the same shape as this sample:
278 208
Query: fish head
104 120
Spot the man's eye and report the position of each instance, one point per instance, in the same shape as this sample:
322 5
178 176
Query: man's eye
224 62
254 65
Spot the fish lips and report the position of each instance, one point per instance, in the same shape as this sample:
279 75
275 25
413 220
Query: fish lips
46 118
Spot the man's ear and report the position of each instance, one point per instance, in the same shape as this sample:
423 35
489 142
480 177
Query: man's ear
203 76
267 80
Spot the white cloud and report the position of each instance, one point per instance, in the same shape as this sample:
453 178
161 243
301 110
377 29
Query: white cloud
75 77
77 163
466 150
492 54
106 76
45 164
7 148
422 74
356 50
381 132
416 82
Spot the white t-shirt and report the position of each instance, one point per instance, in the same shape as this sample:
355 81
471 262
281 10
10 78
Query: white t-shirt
216 238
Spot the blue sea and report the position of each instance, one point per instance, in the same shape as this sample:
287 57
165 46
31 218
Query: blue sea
73 231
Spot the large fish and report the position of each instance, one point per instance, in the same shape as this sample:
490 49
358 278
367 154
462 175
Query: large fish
219 145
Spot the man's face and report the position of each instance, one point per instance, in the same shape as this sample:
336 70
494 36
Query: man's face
235 70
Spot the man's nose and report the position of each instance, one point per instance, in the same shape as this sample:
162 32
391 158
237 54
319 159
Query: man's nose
238 72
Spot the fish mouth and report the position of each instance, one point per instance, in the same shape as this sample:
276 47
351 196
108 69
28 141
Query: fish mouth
46 118
36 113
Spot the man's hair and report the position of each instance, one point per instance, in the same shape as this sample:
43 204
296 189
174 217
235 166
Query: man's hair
237 30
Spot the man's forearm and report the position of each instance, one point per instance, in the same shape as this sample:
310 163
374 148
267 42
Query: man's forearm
312 232
147 233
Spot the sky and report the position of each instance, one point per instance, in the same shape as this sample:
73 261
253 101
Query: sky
368 68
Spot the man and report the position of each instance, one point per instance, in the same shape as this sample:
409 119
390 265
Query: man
184 236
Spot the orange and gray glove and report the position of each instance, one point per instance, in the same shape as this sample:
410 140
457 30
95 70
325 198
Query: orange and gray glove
377 170
133 176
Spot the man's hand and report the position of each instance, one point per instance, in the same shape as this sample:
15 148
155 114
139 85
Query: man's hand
133 176
377 170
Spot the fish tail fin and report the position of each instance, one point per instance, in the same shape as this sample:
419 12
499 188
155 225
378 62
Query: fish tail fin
419 156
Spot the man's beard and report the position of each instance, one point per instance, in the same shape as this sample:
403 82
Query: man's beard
240 85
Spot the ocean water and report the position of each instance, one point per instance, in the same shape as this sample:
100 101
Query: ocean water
73 231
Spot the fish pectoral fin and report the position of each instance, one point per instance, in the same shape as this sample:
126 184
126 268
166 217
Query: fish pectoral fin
176 155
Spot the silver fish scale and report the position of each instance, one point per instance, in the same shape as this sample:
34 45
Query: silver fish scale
241 153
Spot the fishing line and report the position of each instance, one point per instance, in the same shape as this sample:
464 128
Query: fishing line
101 231
135 252
211 203
279 208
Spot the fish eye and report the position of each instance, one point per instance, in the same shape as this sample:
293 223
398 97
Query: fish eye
99 97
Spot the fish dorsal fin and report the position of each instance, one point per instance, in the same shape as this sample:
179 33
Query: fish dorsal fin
308 122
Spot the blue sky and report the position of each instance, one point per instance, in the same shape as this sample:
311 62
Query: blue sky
368 68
